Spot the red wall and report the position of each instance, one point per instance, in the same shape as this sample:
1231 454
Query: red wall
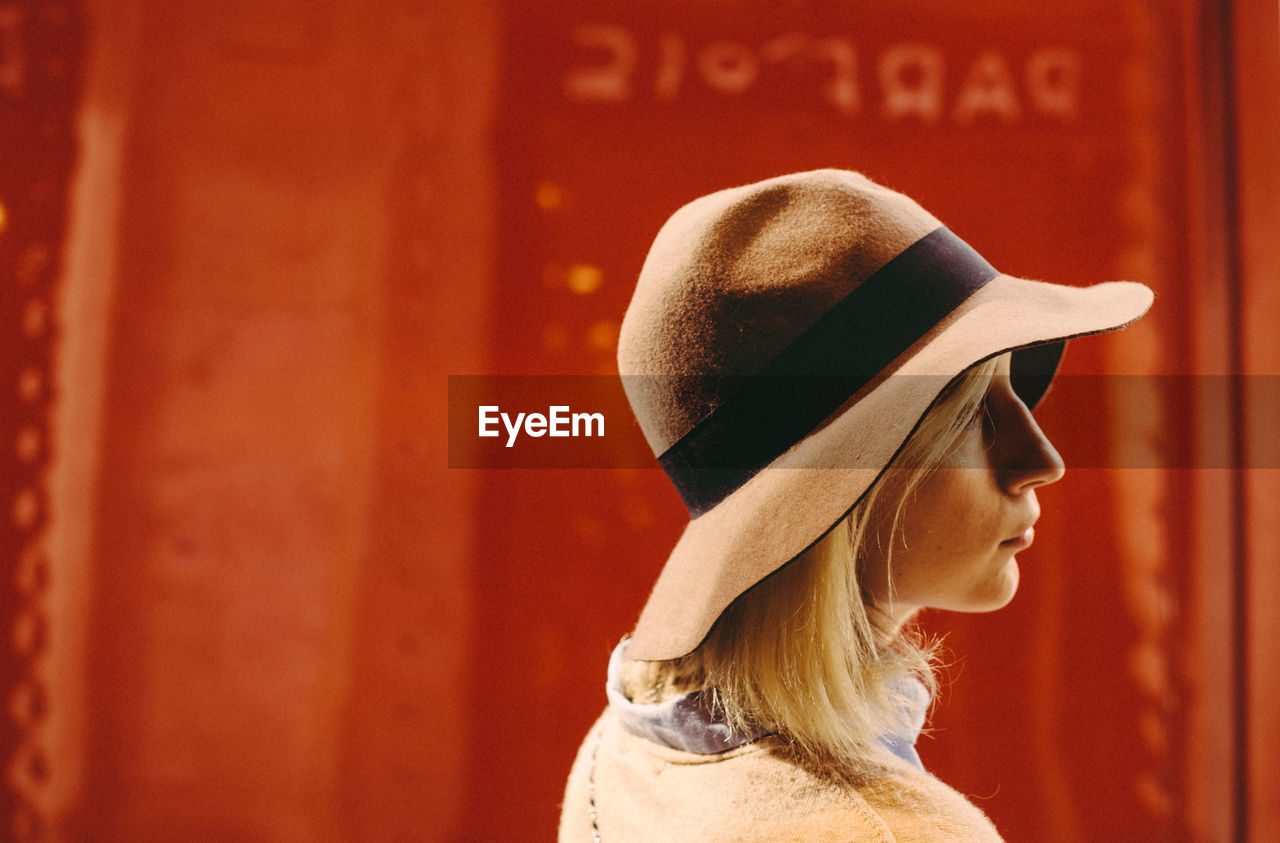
275 611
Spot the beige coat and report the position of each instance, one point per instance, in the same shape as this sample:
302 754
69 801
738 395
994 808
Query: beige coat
642 791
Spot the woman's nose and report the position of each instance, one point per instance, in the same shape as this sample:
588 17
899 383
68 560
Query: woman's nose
1026 458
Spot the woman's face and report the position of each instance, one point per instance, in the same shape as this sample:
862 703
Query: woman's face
960 531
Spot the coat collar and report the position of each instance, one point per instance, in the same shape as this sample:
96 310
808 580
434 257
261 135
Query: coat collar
686 723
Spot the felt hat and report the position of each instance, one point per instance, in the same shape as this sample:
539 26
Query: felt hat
784 340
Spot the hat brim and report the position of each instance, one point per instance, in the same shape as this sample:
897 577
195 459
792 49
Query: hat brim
794 501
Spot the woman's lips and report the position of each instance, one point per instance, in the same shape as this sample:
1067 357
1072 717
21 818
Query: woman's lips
1022 541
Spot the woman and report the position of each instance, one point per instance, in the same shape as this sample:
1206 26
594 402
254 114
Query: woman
840 390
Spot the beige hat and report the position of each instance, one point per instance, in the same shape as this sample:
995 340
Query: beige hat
772 353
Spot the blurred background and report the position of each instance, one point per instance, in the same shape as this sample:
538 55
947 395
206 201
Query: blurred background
244 244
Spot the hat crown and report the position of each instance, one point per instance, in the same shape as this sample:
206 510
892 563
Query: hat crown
735 277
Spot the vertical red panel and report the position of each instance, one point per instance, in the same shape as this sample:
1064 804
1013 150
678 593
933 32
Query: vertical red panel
1256 86
231 516
41 49
407 720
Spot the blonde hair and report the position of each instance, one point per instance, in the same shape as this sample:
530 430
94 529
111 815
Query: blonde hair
806 653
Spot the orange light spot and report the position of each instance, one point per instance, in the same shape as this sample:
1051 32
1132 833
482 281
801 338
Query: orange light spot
584 278
30 384
637 514
603 335
26 506
549 196
35 317
27 444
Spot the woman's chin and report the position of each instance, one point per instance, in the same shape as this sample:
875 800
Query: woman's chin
996 592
